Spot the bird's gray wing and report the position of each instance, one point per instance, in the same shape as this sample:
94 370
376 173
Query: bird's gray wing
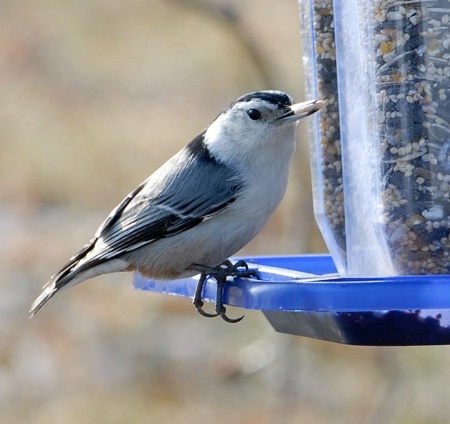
193 187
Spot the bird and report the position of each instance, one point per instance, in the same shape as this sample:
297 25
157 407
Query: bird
200 207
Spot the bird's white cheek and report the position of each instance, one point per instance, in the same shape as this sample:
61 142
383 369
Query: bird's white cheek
216 136
213 132
222 141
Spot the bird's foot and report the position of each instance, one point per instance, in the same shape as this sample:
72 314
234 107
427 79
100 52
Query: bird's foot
198 302
226 269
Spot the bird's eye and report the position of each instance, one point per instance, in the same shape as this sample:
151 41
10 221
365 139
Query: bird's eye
254 114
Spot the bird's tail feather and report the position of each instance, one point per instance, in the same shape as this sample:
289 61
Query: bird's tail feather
74 274
64 279
47 294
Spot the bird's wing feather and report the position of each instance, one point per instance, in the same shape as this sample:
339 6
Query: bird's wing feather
191 187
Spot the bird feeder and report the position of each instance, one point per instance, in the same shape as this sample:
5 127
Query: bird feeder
381 182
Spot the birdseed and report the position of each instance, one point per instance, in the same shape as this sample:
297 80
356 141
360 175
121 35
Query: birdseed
412 69
323 54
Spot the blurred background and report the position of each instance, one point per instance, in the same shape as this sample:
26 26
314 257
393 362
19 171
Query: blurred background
96 95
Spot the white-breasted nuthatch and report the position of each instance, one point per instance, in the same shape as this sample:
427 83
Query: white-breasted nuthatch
203 205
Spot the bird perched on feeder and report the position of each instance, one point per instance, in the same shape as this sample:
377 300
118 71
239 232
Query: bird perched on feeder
202 206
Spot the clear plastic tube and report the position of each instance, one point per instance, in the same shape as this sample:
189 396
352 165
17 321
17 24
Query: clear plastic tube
394 84
317 19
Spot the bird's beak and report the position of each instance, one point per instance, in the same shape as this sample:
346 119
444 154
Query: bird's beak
301 110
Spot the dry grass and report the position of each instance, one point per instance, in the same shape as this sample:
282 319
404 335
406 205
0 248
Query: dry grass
95 96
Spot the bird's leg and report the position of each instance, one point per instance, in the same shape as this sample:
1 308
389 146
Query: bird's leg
226 269
220 307
198 302
229 269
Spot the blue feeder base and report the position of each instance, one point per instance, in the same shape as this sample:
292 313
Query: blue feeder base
304 296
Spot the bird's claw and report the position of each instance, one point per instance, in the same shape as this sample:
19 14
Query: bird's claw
226 318
198 302
204 313
221 313
220 274
230 269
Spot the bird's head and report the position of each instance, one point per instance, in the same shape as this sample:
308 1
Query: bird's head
258 120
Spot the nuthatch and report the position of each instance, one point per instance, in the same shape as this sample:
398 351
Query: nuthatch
203 205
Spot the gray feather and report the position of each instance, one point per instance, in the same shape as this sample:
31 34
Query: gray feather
168 204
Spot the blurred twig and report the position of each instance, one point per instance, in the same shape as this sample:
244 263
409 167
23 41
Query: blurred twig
227 13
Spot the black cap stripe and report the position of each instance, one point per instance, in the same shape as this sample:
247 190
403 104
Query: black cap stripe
277 98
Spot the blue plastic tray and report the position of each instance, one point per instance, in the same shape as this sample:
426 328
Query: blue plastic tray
303 295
